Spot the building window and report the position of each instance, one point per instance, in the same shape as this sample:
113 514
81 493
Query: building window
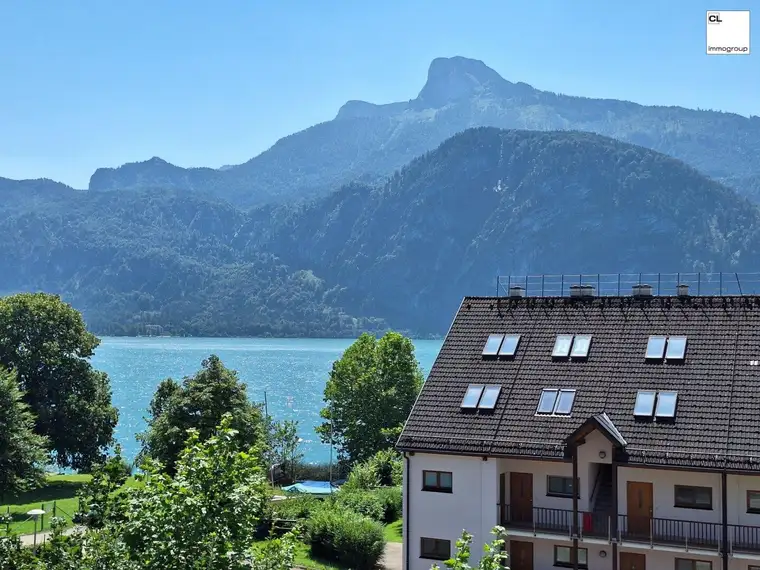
753 503
435 548
563 557
559 486
693 497
685 564
436 481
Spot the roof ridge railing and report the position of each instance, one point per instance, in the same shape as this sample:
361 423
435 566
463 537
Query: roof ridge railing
622 284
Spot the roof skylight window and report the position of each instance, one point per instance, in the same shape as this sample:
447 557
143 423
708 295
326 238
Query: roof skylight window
562 346
581 345
556 402
676 348
509 346
492 345
644 407
472 396
489 398
666 405
656 347
564 402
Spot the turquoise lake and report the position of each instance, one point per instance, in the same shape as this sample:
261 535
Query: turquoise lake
292 373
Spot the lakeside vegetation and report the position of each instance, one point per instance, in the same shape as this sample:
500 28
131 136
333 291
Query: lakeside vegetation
211 461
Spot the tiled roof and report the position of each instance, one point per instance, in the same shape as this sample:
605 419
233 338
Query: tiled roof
717 423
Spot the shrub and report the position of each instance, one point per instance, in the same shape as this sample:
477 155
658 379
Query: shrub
295 508
345 537
363 476
391 499
365 503
388 467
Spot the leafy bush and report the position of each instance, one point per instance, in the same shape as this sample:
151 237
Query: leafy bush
384 469
295 508
388 467
365 503
392 501
363 477
345 537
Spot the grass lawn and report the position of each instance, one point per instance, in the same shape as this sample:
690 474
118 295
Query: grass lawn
59 492
393 532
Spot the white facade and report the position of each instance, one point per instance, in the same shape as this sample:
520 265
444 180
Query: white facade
479 486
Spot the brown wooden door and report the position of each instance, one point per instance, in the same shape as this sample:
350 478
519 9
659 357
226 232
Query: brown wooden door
520 555
521 497
631 561
639 500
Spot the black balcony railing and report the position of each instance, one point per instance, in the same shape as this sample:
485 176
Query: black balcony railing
689 534
743 538
654 531
555 521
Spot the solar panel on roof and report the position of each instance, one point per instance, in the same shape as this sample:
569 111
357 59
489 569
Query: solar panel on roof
547 401
581 345
676 348
562 346
492 344
666 404
644 406
472 396
655 347
489 398
509 346
565 402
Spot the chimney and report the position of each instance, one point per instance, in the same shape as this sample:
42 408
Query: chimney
516 291
682 290
642 290
581 291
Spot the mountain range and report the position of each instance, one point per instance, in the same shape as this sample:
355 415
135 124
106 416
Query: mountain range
400 254
366 142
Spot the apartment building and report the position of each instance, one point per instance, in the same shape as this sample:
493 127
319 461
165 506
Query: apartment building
603 433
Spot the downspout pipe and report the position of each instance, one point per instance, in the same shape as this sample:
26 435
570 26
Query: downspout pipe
407 513
575 506
724 516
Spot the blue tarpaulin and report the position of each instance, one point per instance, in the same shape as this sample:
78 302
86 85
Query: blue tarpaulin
311 488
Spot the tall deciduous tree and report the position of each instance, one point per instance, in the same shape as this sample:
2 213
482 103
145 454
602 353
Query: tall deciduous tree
369 395
199 403
22 452
46 343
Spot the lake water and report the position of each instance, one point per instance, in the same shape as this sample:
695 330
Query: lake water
292 373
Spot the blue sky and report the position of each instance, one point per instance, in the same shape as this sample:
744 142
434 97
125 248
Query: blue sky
90 83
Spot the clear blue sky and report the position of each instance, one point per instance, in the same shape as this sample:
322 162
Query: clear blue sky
89 83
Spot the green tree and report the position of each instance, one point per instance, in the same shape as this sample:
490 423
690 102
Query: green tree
285 446
369 395
199 403
22 452
494 557
46 343
203 518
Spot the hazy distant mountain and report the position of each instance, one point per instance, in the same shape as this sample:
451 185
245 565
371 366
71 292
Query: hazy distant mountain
367 142
362 258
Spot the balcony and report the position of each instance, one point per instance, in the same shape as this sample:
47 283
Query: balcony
689 535
556 521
